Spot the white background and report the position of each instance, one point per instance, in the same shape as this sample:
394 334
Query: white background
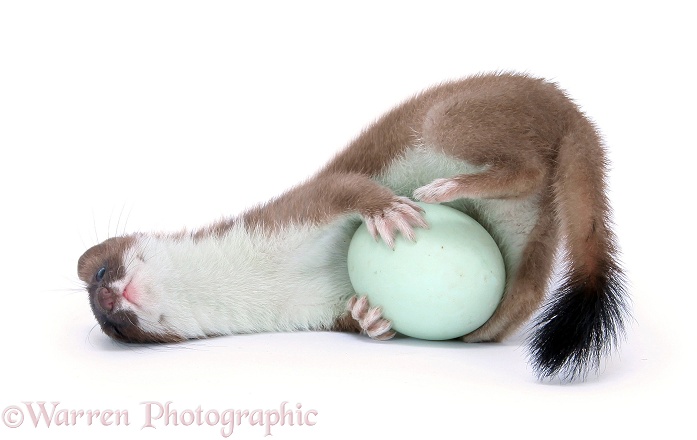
139 115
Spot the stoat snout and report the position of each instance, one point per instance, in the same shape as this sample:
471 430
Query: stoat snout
104 269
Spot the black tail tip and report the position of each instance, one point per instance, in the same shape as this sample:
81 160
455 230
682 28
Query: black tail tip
579 327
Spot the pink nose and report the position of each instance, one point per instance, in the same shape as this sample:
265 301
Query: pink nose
105 297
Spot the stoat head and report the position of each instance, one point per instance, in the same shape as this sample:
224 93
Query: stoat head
120 296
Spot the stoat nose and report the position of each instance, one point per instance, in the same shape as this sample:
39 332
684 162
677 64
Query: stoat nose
106 299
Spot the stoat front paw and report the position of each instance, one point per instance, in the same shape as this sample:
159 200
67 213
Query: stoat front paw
402 215
370 319
438 191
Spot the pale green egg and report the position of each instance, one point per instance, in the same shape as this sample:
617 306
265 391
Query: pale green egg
444 285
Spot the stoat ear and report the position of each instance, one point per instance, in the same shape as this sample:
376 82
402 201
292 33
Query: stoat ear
97 256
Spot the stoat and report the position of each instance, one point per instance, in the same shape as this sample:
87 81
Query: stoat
512 151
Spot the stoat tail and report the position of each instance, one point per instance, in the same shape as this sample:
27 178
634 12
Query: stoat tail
583 319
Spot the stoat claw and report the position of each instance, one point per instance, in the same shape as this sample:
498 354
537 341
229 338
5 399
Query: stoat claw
438 191
402 215
370 319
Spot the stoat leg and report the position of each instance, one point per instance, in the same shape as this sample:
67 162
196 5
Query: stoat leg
440 190
401 215
496 182
370 319
329 195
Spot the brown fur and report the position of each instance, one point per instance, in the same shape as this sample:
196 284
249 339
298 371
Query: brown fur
345 323
93 259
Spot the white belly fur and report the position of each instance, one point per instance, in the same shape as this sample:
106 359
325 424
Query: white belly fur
246 282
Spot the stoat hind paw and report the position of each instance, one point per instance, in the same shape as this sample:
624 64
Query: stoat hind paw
370 319
438 191
402 215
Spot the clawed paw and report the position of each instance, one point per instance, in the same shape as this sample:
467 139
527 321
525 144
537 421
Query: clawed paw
370 319
402 215
438 191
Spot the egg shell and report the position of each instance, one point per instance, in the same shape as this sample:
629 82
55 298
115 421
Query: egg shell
442 286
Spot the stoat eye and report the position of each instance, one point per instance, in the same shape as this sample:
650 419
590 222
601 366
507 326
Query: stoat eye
100 273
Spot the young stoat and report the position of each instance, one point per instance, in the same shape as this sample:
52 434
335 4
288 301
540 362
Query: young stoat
510 150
